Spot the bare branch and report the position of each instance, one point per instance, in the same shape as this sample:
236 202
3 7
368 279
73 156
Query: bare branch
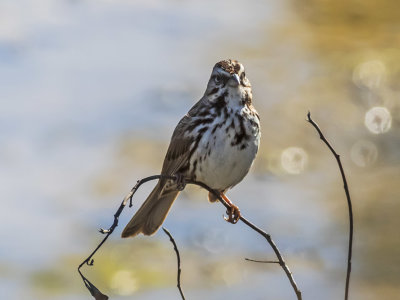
282 263
346 190
179 262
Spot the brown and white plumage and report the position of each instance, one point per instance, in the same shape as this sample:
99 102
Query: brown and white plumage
215 143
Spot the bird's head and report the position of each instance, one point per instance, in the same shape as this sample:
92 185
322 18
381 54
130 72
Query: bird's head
228 78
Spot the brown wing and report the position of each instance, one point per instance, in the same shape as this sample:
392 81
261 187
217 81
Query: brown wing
178 151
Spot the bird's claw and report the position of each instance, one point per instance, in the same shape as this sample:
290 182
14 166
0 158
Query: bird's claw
233 214
180 182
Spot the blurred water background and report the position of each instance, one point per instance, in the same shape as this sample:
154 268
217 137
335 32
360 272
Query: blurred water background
91 91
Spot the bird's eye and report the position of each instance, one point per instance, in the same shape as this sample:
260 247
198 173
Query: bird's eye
217 78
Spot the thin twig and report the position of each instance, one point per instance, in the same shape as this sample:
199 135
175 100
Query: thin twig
179 262
89 260
263 261
346 190
267 236
282 263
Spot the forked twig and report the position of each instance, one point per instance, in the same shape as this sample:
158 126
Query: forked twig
179 262
89 260
267 236
346 190
95 292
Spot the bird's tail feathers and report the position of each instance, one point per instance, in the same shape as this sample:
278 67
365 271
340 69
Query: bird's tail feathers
153 211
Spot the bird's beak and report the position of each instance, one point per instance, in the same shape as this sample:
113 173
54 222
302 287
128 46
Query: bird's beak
235 79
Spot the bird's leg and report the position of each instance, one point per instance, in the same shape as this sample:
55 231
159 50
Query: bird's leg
233 211
180 181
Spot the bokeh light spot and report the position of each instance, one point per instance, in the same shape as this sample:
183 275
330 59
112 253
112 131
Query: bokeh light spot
369 74
124 283
378 120
363 153
294 160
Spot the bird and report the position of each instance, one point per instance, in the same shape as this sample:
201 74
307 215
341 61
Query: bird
215 143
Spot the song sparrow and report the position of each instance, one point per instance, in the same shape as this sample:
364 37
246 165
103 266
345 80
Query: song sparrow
214 143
